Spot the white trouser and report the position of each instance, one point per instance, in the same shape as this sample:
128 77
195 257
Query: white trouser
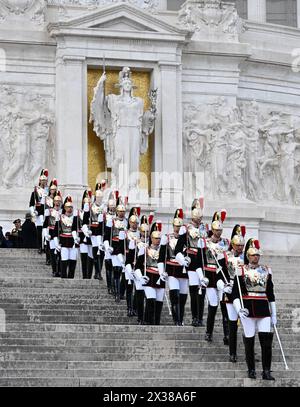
250 325
68 254
96 240
212 296
181 284
52 244
232 314
39 220
138 285
156 293
116 262
86 248
193 278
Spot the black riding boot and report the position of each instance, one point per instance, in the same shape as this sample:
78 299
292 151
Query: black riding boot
194 304
232 340
53 262
108 271
266 339
63 268
96 263
48 255
72 267
182 299
250 356
158 310
39 234
90 265
175 306
122 286
225 323
140 295
101 260
84 260
129 299
117 276
58 265
210 322
150 311
201 298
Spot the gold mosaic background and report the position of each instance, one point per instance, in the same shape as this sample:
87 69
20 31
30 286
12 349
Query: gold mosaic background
96 157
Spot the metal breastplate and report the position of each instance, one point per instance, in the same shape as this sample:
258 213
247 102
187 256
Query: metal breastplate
95 212
66 223
40 192
171 246
193 236
133 235
54 216
118 226
234 262
49 202
152 257
256 279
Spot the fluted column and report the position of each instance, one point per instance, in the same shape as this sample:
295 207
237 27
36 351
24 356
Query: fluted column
257 10
298 13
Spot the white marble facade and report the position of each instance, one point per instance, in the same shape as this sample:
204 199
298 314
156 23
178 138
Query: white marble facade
228 108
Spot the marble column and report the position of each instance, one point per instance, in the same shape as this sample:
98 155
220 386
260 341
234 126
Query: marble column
298 13
162 4
257 10
171 130
71 139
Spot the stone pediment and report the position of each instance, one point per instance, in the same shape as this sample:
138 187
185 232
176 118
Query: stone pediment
121 17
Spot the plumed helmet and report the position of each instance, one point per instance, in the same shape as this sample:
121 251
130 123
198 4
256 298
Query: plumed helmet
218 220
178 217
238 235
44 175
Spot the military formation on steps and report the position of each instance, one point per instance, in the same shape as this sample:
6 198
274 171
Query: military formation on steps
140 262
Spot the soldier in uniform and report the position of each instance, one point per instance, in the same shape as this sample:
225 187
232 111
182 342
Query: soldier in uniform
109 217
213 250
16 234
52 215
132 238
254 301
86 249
178 278
94 219
37 206
187 252
154 285
114 244
66 239
234 259
49 203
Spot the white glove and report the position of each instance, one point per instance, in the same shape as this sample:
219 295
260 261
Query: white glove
47 237
122 235
164 240
107 247
100 217
228 289
75 237
182 230
128 272
109 223
86 231
131 245
163 276
86 207
138 274
220 285
57 245
183 261
243 312
121 259
144 280
273 313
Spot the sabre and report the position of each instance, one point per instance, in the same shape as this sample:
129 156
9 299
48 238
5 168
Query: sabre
168 304
281 349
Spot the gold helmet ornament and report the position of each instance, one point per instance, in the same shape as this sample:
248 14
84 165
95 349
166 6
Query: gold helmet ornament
178 218
144 226
218 220
68 202
156 229
53 185
122 203
197 208
238 235
252 247
44 175
58 197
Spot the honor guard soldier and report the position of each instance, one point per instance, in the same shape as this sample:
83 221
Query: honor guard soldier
234 259
109 216
132 237
213 250
147 263
37 206
178 278
51 218
139 278
66 239
186 252
49 203
86 249
94 219
114 244
254 301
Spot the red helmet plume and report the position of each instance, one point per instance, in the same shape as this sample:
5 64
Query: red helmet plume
243 230
201 201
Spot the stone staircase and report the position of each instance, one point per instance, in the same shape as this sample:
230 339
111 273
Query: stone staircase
72 333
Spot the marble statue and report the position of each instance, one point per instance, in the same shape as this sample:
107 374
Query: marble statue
120 121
